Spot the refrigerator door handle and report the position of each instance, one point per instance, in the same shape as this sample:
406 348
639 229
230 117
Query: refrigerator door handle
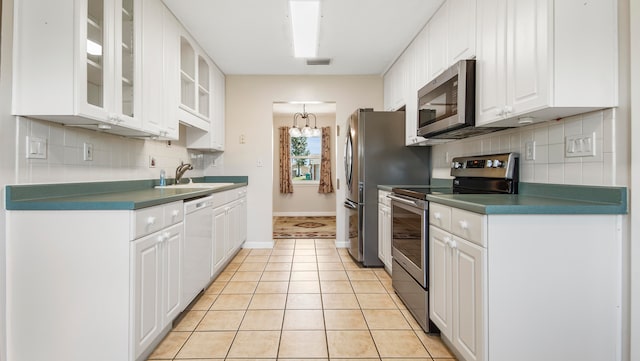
350 205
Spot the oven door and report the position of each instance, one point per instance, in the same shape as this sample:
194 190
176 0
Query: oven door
409 236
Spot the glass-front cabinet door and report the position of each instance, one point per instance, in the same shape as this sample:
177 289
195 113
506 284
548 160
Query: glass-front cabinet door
127 63
93 100
91 76
127 59
112 62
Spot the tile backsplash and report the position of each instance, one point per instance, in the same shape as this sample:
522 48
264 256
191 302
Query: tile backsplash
114 157
550 164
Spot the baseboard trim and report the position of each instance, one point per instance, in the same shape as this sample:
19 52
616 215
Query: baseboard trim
267 244
304 214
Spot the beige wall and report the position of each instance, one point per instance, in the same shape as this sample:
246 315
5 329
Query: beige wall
305 199
249 112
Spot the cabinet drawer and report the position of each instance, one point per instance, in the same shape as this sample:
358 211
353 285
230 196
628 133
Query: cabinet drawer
440 216
173 213
468 225
148 220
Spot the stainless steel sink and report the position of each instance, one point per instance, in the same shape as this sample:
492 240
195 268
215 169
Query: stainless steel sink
197 185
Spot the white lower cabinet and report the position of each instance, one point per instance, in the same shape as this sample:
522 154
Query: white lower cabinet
111 277
457 269
156 265
229 228
500 284
220 225
384 230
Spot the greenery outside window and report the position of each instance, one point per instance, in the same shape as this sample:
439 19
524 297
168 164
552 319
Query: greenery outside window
305 159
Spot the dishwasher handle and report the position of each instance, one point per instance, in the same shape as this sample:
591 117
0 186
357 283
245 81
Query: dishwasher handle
407 201
197 204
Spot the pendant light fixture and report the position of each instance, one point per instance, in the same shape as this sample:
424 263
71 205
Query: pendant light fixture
306 131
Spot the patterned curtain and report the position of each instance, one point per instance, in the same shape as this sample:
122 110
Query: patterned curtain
286 186
326 186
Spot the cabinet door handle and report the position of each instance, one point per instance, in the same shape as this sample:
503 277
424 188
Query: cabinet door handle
447 241
151 220
166 236
175 213
464 225
508 109
437 215
453 244
160 239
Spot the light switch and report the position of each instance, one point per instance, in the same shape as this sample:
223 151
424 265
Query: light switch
583 145
36 148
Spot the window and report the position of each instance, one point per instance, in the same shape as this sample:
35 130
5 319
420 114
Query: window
305 159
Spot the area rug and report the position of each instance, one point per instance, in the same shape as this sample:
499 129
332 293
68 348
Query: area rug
304 227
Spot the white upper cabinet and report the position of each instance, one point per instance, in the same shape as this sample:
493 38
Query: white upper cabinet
157 23
451 34
393 86
461 30
542 59
448 37
213 138
437 37
91 73
195 84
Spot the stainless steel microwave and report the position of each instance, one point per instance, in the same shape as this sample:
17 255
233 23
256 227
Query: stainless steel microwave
446 105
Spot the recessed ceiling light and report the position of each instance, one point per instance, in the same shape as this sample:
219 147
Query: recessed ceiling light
305 19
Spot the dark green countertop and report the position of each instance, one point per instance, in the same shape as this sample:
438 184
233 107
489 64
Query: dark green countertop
537 198
123 195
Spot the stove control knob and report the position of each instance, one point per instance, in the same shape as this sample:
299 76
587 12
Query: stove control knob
497 164
489 163
456 165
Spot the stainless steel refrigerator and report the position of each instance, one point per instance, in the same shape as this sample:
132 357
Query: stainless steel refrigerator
375 153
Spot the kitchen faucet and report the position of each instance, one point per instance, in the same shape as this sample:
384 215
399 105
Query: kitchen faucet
181 170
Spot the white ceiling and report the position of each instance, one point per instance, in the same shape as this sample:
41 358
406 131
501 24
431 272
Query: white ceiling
254 36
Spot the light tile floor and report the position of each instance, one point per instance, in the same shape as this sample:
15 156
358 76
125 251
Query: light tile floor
303 300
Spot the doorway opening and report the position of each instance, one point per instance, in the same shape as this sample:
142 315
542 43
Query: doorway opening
304 159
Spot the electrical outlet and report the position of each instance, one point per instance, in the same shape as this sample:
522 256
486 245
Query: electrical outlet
583 145
152 161
88 152
530 150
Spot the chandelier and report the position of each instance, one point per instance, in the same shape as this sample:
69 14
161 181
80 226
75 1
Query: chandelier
306 131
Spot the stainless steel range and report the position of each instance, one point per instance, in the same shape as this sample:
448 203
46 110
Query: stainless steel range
493 174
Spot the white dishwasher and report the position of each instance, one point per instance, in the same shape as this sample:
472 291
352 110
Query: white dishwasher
196 264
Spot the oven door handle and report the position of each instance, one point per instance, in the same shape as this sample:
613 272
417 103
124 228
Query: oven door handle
403 200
